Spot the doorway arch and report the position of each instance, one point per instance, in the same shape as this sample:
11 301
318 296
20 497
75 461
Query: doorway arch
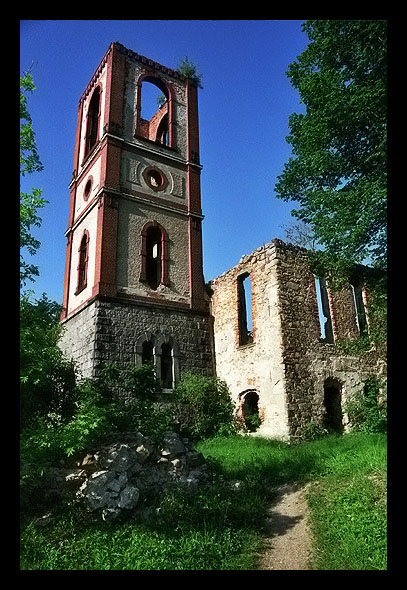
249 409
333 417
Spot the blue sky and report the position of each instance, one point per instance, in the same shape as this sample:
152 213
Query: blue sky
243 118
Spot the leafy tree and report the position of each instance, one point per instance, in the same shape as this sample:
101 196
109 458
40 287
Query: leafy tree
29 202
46 377
338 170
300 234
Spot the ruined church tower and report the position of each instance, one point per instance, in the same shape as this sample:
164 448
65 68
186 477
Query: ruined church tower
133 288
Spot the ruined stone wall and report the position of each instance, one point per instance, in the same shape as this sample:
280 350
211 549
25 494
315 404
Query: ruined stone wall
287 364
107 331
309 363
258 365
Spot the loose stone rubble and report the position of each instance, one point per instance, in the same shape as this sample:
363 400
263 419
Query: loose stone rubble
129 472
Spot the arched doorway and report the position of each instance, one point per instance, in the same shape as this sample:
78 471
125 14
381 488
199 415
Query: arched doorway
333 419
249 408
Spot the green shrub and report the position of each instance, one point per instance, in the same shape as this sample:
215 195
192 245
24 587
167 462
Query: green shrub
142 382
252 421
312 431
366 411
203 407
95 411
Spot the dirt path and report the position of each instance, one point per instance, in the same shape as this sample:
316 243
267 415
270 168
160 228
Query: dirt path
288 545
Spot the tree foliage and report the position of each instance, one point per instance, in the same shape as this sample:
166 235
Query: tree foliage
29 202
188 69
46 377
337 172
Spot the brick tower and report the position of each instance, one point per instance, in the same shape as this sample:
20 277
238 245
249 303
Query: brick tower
133 288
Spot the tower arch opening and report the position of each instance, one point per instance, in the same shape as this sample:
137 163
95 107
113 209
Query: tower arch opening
154 110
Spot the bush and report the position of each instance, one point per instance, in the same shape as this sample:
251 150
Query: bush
203 407
142 382
94 412
366 412
312 431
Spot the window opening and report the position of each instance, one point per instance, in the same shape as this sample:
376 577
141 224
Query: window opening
244 287
83 262
155 178
86 192
154 257
93 121
360 318
324 313
151 99
153 121
333 407
166 366
162 131
147 355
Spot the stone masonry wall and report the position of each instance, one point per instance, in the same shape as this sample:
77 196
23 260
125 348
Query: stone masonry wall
257 366
77 340
107 332
287 364
308 362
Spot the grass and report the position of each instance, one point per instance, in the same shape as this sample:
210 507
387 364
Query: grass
221 528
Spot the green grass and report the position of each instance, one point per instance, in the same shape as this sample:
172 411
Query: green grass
347 498
221 529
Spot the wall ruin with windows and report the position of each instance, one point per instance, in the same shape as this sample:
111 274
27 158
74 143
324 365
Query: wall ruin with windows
129 335
291 361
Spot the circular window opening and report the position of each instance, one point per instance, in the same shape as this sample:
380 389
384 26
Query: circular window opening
86 192
155 179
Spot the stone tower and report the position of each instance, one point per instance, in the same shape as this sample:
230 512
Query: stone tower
133 288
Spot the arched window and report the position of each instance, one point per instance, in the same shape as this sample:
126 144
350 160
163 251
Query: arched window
324 311
83 262
153 259
167 377
92 125
147 354
163 352
154 110
154 256
244 311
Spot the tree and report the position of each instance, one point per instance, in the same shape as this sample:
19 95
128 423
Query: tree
338 170
29 202
300 234
46 377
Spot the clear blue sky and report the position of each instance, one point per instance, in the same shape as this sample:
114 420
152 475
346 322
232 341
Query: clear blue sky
243 117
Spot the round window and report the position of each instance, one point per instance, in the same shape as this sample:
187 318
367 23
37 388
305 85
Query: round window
88 187
155 178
